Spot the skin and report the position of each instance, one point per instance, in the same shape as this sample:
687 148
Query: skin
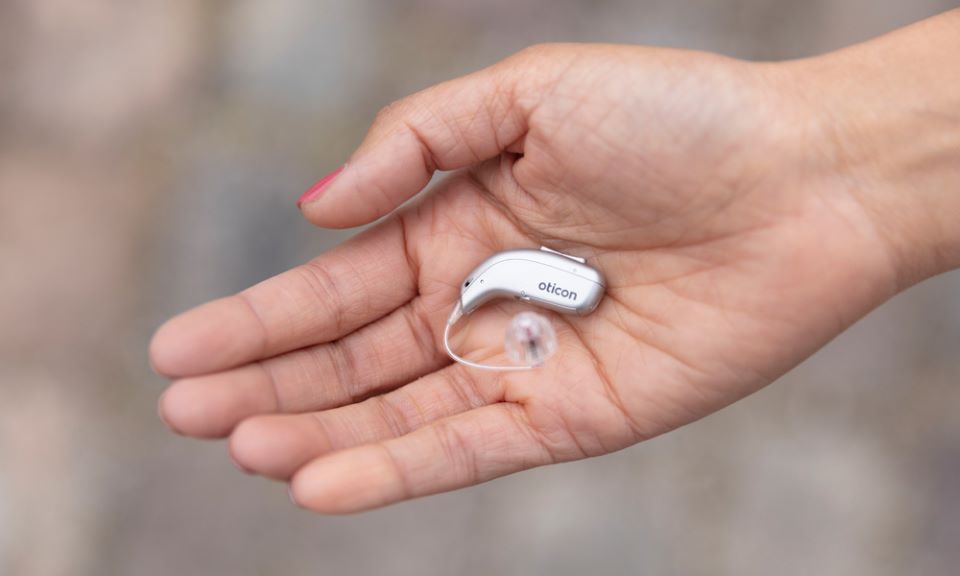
744 214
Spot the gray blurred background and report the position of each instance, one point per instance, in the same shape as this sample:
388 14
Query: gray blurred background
150 156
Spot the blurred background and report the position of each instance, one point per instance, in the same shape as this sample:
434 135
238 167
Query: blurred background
150 156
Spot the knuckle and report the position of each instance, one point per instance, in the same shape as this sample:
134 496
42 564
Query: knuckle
390 111
400 412
457 451
422 334
464 386
339 291
324 289
343 364
536 51
361 362
402 476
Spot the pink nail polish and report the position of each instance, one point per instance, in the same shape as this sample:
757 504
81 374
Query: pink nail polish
314 192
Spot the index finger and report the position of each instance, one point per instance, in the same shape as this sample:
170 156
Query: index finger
353 284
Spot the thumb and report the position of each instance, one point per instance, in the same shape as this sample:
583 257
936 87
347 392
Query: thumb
448 126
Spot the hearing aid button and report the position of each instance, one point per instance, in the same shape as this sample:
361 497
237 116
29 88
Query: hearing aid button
552 251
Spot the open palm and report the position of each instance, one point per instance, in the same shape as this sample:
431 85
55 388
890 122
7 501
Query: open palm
730 255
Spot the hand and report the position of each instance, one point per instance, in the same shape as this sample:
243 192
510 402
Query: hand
703 188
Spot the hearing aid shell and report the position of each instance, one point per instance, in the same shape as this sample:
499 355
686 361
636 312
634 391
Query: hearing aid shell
542 277
545 278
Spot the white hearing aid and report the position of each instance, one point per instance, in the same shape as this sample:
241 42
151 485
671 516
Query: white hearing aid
545 278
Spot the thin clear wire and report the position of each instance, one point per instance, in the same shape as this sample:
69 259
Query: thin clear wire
454 317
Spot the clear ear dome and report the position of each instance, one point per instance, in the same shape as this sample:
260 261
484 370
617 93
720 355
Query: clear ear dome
531 339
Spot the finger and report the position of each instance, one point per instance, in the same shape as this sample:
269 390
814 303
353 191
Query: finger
380 356
448 126
278 445
336 293
454 452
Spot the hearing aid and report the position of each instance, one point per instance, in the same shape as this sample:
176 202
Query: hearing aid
544 278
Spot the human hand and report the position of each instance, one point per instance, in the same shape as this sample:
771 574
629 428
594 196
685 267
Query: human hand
705 189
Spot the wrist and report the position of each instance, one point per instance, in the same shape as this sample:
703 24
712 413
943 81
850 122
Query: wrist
886 122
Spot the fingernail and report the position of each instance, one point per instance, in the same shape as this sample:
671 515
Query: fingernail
293 498
237 463
314 192
161 415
